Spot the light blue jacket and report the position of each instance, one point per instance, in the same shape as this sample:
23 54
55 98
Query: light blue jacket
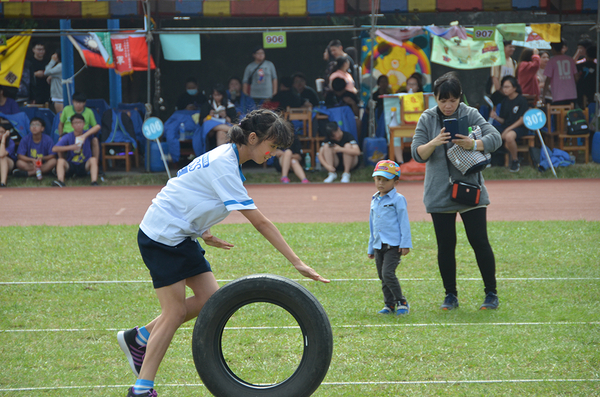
388 222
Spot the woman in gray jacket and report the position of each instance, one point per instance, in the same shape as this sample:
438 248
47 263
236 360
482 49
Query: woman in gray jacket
428 147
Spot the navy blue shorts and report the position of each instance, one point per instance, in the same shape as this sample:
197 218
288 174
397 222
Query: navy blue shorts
169 265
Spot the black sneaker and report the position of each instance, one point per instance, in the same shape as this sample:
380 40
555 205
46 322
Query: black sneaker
20 173
58 183
491 302
95 183
451 302
149 393
3 185
515 166
133 352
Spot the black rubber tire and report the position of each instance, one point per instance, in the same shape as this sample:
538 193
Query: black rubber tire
291 296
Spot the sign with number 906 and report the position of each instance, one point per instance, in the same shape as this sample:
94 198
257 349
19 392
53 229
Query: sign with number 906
274 40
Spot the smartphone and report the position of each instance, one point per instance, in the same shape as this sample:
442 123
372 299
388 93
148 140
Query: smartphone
451 127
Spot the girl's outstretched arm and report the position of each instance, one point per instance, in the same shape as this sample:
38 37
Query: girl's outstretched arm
271 233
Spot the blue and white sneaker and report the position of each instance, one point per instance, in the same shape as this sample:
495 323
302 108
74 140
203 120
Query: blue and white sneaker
402 308
133 352
386 310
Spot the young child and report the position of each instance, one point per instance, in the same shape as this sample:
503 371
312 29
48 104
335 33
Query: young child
339 151
390 234
35 146
7 155
202 195
75 151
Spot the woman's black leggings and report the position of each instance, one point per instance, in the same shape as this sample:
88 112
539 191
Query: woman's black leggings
475 222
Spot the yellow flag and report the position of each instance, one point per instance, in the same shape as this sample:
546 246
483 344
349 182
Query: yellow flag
549 32
12 58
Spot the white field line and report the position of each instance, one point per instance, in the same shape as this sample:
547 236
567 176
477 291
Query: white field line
306 280
408 382
549 323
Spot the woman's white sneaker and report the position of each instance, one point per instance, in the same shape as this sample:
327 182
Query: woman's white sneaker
331 177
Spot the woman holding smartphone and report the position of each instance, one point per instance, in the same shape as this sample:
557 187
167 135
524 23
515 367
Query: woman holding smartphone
429 146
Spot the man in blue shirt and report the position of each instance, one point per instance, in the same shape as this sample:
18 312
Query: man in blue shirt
390 234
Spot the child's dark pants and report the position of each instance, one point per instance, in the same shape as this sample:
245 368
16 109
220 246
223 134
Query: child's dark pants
387 260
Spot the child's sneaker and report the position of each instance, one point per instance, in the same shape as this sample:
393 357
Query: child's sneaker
491 302
305 180
451 302
133 352
331 177
150 393
386 310
402 308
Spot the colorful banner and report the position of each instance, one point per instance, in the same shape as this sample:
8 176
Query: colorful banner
397 62
130 53
547 31
12 58
533 40
468 54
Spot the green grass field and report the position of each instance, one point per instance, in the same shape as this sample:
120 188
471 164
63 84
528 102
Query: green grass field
65 291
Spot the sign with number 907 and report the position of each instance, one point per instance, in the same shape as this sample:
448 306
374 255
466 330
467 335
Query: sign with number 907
274 40
486 33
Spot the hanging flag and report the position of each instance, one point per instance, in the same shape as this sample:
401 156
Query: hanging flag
548 31
512 31
468 54
12 58
533 40
130 53
91 50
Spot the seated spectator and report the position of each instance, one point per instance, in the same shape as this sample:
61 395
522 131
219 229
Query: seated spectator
221 109
35 147
305 91
512 109
75 153
586 82
526 73
193 99
383 88
7 155
291 157
339 96
242 102
287 97
78 107
339 151
340 71
414 83
7 104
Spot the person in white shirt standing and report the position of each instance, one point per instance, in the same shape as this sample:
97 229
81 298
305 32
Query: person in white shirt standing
202 195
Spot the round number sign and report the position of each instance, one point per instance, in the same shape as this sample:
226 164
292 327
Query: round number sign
152 128
534 119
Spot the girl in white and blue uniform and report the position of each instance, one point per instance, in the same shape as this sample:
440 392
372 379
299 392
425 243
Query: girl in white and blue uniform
202 195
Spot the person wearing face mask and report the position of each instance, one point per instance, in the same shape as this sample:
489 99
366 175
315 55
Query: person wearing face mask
192 98
428 146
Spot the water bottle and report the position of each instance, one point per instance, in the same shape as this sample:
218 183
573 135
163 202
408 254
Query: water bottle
307 162
38 169
182 132
393 119
317 163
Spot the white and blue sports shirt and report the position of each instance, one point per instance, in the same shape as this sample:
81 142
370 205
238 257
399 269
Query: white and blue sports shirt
202 195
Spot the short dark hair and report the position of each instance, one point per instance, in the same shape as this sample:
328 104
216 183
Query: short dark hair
383 76
79 97
591 52
507 42
334 43
77 116
447 86
557 46
585 43
41 121
257 48
191 79
266 124
340 61
299 75
338 84
331 127
287 81
234 78
513 81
